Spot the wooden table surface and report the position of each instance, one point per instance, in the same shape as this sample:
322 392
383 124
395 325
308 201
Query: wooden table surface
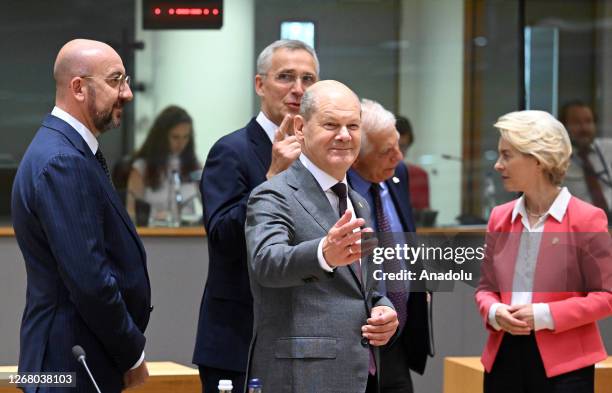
465 375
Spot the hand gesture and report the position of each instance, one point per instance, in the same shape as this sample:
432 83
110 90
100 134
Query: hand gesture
285 148
509 323
342 246
523 312
381 326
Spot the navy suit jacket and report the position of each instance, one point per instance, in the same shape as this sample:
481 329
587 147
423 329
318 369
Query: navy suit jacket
410 349
87 280
236 164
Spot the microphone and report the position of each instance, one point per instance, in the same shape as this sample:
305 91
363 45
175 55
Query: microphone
79 355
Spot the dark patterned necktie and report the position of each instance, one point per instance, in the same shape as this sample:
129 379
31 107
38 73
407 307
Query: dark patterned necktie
395 292
340 190
592 181
102 161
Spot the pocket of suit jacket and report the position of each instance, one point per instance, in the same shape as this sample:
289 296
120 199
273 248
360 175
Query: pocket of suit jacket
305 348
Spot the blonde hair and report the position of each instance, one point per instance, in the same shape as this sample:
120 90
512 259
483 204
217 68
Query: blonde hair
374 118
540 135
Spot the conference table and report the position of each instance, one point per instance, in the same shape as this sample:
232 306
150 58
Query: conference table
465 375
164 377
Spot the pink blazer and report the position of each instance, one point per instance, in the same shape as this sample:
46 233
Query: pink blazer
576 341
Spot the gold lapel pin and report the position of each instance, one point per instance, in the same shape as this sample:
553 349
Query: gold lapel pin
395 179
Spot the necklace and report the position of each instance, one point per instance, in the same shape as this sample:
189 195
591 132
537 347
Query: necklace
534 214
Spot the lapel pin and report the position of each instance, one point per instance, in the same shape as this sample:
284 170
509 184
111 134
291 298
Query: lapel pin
395 179
555 240
360 205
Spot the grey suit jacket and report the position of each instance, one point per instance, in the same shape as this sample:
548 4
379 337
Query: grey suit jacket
307 325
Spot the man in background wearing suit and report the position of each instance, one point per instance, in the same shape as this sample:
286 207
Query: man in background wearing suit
380 176
318 315
236 164
589 176
87 281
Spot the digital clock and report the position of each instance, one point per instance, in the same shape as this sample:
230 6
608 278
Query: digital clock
182 14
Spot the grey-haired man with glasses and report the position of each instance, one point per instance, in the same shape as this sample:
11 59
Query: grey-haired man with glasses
236 164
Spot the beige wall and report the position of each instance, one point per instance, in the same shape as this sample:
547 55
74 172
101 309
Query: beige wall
431 88
207 72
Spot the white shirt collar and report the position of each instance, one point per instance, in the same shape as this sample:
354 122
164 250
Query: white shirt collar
265 123
83 131
325 180
557 209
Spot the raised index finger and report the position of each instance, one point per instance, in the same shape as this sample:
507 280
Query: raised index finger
286 127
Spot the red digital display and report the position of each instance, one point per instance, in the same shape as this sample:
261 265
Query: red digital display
183 14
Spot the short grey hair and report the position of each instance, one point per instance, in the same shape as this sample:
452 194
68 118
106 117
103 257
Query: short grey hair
540 135
374 119
264 60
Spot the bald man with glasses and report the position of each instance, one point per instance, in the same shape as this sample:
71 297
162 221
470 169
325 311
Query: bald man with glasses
87 280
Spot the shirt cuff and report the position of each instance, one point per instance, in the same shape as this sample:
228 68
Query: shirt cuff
321 258
492 320
139 362
542 318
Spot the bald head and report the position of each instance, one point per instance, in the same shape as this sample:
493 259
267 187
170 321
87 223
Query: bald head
91 84
80 57
327 88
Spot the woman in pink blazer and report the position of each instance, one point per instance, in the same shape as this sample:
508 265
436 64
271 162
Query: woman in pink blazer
546 278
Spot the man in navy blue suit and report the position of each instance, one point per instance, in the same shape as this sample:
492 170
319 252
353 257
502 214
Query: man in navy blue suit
380 176
236 164
87 280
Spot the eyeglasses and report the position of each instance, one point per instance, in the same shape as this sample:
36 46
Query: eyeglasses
113 81
289 78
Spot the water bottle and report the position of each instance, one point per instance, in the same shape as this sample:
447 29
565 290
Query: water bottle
225 386
254 385
175 199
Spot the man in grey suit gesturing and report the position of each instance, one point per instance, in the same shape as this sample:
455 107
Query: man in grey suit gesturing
318 317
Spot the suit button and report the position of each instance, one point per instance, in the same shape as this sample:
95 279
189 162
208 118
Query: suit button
364 342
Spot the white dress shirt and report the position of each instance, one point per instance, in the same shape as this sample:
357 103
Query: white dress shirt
85 133
267 125
326 182
600 156
526 260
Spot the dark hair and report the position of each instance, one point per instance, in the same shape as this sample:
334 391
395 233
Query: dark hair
569 105
156 147
403 126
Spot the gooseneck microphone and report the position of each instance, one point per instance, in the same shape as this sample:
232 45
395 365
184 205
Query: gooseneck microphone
79 354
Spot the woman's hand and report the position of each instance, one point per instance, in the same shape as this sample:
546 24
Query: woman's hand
509 323
523 312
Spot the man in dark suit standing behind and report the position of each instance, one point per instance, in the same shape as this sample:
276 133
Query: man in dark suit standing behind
381 177
86 267
236 164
